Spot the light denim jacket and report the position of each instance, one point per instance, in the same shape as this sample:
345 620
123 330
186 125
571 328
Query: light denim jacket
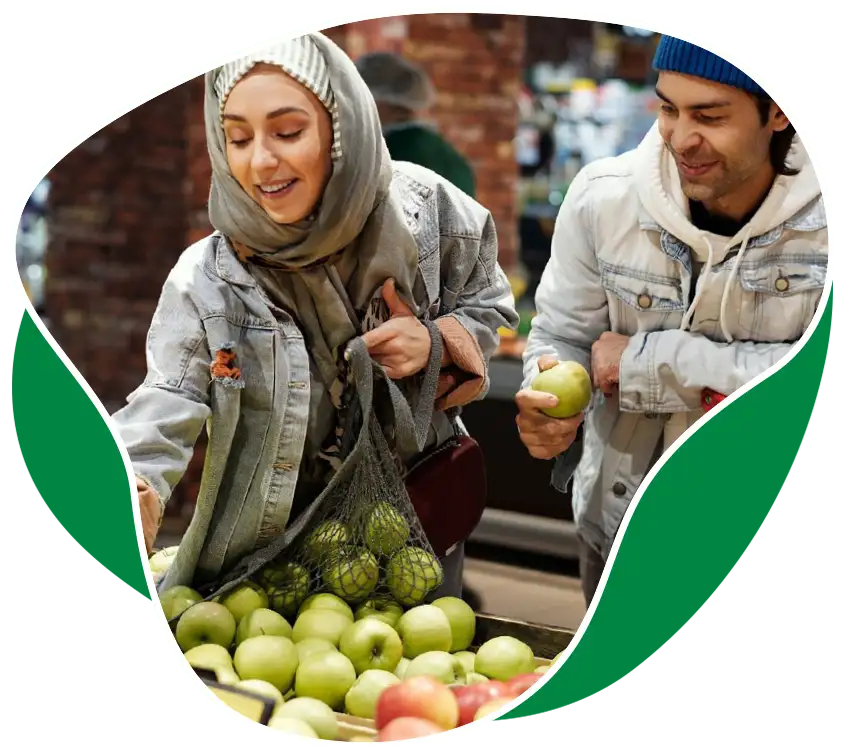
622 259
257 426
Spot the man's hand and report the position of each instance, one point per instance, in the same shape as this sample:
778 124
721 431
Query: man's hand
402 345
606 361
544 437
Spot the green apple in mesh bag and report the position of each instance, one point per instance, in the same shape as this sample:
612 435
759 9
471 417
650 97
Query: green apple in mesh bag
244 599
174 600
205 623
351 575
326 600
262 621
411 574
313 712
286 585
386 530
422 629
371 644
272 659
438 664
327 677
362 698
461 617
321 623
324 541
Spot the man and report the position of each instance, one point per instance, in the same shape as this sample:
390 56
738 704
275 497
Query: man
687 266
401 92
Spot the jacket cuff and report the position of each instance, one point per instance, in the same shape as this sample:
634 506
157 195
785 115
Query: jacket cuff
469 367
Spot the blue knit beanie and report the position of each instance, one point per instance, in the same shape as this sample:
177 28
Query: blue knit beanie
678 56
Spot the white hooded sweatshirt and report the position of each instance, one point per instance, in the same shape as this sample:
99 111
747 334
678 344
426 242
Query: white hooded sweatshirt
621 260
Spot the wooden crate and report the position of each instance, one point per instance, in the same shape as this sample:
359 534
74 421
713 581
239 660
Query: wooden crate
545 640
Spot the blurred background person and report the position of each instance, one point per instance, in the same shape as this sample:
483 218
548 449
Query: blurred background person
403 92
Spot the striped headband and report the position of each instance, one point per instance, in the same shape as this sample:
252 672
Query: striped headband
301 60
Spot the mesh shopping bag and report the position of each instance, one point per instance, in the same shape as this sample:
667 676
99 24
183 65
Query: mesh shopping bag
361 537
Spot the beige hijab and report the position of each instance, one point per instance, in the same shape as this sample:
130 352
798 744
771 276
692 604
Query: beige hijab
356 237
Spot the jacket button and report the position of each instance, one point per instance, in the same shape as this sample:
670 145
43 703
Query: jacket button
645 301
619 489
781 284
650 415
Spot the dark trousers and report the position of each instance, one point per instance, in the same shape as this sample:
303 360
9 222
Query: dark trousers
592 566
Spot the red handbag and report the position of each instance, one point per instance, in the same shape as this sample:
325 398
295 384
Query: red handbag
448 490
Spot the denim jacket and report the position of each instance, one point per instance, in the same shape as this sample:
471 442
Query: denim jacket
623 256
257 421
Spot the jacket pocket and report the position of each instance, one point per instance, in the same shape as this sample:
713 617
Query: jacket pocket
641 301
779 297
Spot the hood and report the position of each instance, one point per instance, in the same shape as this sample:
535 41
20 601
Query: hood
658 186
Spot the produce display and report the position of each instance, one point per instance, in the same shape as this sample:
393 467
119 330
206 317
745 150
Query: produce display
394 672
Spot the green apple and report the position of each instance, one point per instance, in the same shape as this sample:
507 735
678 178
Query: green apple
473 677
286 585
227 676
311 645
502 658
326 600
322 623
401 668
160 561
467 660
383 609
422 629
273 659
371 644
291 726
438 664
262 688
174 600
571 383
324 541
244 599
211 657
362 698
411 574
461 617
385 530
262 621
327 677
205 623
317 714
351 576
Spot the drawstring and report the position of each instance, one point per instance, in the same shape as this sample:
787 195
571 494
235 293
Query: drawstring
687 319
730 280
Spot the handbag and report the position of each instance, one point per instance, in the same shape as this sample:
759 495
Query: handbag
448 489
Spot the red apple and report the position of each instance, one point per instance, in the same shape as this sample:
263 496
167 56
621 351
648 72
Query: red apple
492 707
473 696
418 697
408 728
522 682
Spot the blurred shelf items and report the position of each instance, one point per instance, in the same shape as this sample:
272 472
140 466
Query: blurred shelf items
31 245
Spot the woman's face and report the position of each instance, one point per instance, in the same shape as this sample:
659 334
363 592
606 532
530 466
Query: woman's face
278 143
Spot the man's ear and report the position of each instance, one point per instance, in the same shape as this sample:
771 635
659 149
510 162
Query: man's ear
778 119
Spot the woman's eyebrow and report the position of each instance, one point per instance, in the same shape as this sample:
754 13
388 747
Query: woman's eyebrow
274 114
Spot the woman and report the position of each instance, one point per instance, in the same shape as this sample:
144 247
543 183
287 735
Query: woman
319 238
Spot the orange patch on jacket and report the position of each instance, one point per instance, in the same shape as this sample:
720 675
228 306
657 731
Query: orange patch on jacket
223 365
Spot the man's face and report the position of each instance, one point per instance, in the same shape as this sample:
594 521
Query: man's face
715 134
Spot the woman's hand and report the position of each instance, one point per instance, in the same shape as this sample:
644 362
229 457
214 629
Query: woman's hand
402 345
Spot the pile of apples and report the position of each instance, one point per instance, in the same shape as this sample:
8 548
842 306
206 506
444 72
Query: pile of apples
339 659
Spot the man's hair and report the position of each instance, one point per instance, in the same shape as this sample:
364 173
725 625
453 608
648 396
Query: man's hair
781 141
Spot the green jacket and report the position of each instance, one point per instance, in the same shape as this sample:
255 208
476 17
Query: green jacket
417 143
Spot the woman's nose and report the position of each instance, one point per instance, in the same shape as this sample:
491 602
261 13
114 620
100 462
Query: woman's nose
263 157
